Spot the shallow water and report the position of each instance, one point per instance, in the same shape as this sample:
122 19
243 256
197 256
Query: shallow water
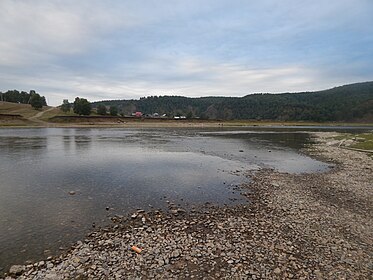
123 169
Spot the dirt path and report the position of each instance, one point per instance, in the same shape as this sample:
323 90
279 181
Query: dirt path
36 117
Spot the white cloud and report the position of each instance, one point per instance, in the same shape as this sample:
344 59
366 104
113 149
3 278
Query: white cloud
127 49
192 77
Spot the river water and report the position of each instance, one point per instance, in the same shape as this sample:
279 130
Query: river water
56 182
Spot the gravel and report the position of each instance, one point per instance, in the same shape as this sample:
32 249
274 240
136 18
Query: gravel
296 226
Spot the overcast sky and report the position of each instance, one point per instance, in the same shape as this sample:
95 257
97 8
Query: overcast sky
129 49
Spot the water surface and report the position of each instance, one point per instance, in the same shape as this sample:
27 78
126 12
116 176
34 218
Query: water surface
123 169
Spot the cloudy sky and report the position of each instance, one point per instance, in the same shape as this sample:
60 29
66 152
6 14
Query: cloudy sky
128 49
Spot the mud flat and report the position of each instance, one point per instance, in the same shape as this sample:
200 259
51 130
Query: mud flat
305 226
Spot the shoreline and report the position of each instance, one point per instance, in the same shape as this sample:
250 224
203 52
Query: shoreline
151 123
296 226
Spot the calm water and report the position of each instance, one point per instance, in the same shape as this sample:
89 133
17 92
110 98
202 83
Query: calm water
123 169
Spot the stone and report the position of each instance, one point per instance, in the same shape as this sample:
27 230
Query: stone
16 269
49 265
174 212
52 276
180 210
175 254
71 192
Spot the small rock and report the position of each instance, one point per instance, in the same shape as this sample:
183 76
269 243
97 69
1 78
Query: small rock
180 210
175 254
71 192
51 276
49 265
277 270
174 211
16 269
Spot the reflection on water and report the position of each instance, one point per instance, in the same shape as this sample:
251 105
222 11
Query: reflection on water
123 169
82 142
21 145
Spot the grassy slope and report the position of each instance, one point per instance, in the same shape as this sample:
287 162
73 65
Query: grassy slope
24 110
27 112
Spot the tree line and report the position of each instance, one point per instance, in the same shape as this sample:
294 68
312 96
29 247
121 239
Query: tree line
33 98
344 103
82 106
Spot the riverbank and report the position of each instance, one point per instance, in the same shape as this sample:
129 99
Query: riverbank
307 226
139 123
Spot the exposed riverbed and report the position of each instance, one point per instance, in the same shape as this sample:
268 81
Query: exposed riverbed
297 226
59 184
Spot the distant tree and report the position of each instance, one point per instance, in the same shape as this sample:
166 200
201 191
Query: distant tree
20 97
345 103
189 115
101 109
113 110
36 100
66 106
43 101
82 106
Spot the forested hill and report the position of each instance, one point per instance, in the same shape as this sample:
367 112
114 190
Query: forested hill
352 102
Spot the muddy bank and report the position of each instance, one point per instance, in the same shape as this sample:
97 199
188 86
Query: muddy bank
310 226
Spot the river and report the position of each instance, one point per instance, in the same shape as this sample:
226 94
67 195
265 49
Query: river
57 182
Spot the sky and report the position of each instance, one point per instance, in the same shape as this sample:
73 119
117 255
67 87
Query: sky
105 50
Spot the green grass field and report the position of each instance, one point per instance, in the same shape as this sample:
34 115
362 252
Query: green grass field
363 141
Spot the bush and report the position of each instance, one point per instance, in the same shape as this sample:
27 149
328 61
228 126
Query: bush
113 111
82 106
101 109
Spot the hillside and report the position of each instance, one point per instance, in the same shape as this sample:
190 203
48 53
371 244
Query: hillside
352 102
15 114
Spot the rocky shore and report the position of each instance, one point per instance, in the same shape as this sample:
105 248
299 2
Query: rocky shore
297 226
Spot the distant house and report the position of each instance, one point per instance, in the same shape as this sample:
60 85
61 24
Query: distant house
137 114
